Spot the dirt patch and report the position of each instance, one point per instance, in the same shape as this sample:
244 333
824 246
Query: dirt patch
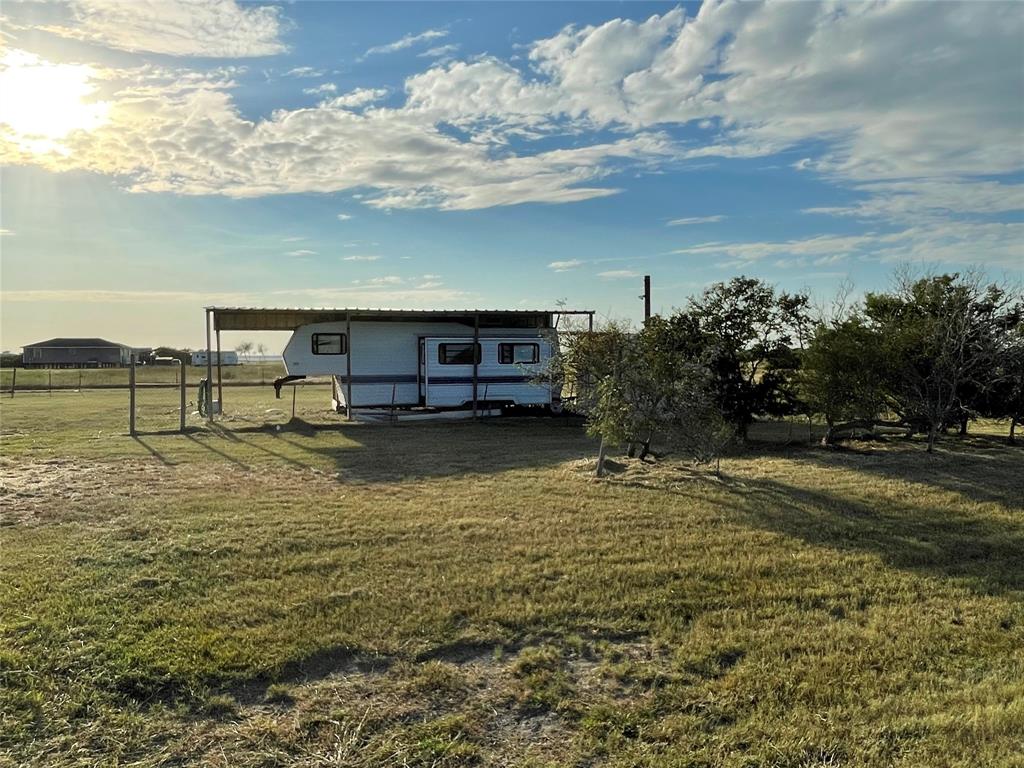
53 490
647 473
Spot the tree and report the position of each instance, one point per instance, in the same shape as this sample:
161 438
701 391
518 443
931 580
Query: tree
244 349
844 375
634 385
945 335
589 368
744 332
1004 397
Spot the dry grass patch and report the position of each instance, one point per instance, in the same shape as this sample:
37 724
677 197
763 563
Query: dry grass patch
352 595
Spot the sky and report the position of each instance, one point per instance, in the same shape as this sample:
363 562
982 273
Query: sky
160 156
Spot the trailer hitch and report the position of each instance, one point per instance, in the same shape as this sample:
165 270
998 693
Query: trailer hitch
280 382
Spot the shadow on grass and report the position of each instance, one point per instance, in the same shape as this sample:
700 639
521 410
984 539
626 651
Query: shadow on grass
986 554
154 452
981 468
380 453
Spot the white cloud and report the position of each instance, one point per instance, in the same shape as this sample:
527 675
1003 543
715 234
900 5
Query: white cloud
6 233
749 252
295 239
360 97
301 252
408 41
915 107
362 257
695 220
305 72
319 90
344 217
385 280
930 197
618 274
220 28
965 242
439 51
565 266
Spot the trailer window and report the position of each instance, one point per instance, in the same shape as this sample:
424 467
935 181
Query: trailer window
330 344
509 354
457 354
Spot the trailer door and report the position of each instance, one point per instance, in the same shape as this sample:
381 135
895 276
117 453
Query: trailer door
448 369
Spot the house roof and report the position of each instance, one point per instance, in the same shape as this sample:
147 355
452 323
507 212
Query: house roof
80 343
285 319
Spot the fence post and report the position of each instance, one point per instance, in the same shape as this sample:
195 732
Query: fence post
79 381
49 383
181 423
14 378
131 396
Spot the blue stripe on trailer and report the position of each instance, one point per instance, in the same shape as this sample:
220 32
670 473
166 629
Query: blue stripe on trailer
480 380
392 379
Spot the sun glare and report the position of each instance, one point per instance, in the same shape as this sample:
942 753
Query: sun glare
42 102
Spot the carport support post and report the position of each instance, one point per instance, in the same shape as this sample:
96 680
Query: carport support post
348 366
209 370
220 382
476 359
131 396
181 418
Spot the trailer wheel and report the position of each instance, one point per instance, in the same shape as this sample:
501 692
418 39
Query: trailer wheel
555 407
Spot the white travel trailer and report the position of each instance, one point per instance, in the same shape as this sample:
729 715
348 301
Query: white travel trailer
200 357
415 358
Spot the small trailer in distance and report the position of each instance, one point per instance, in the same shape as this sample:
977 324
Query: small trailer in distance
199 357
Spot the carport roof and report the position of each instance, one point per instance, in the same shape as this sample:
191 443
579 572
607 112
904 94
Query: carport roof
282 319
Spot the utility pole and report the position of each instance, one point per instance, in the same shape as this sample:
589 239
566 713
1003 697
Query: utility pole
647 298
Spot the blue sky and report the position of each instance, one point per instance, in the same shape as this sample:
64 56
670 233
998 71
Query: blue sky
161 157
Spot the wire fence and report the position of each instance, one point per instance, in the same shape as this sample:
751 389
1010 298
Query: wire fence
63 379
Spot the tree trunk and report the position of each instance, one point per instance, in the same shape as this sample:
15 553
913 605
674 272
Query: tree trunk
827 438
933 433
645 446
963 426
631 449
601 453
1012 439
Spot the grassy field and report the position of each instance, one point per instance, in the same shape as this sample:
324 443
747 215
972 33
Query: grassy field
73 378
273 592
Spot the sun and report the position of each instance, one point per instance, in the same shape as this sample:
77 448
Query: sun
41 102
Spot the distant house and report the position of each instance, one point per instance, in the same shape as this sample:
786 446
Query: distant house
76 353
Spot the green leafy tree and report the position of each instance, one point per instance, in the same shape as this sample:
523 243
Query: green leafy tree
945 335
746 334
844 375
1003 398
633 386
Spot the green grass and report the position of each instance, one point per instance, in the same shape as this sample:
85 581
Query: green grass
276 592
